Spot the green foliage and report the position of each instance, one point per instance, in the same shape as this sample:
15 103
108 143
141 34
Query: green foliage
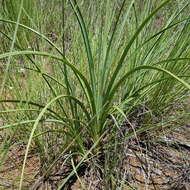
10 10
117 56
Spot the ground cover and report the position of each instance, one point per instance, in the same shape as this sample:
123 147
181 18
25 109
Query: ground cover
94 95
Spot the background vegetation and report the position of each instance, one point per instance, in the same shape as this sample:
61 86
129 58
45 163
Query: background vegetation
73 72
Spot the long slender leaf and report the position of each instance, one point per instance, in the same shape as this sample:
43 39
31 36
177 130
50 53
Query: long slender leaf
124 54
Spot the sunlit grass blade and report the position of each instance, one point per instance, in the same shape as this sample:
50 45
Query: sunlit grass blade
121 60
75 70
30 103
35 64
34 31
19 124
12 47
149 68
86 41
32 134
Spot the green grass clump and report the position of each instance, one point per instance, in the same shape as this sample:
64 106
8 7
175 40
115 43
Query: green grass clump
10 11
108 58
